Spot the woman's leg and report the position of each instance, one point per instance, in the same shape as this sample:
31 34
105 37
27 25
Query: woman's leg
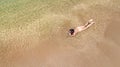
88 24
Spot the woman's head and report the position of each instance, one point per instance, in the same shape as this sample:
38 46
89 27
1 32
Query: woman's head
71 31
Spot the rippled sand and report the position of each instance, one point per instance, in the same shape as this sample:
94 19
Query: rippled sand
37 37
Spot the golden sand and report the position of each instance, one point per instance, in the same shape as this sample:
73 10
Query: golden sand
42 41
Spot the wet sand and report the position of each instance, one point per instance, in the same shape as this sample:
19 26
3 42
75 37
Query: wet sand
44 42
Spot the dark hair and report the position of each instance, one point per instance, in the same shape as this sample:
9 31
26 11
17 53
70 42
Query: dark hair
71 31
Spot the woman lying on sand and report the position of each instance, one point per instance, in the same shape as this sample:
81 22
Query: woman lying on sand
73 32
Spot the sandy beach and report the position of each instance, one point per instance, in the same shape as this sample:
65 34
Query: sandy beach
35 33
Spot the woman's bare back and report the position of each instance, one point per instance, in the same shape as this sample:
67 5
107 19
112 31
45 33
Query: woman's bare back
73 32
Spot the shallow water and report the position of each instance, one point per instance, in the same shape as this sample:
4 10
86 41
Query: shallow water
35 33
